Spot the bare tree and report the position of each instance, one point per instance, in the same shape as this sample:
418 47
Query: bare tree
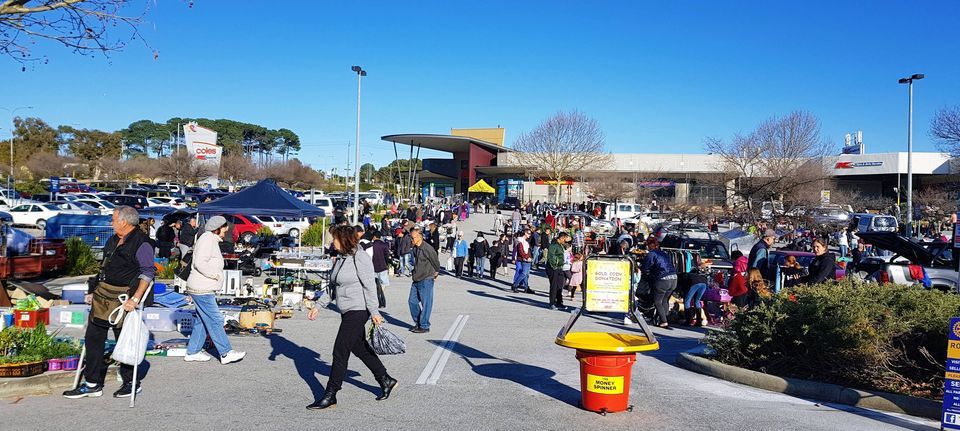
44 165
237 167
783 155
87 27
945 130
563 145
610 187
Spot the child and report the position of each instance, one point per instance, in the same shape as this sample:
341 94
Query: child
576 273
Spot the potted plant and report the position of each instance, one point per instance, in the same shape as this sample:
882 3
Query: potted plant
25 352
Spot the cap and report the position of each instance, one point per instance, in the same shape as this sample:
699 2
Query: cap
769 233
215 222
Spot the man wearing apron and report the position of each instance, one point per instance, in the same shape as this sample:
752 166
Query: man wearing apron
127 269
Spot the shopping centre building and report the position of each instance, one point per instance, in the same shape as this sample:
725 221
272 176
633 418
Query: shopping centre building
480 154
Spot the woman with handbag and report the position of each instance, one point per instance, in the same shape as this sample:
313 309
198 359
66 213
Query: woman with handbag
353 278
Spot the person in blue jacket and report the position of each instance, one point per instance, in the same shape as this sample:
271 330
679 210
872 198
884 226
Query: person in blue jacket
658 269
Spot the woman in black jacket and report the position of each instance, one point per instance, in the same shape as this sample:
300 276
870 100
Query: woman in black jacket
823 266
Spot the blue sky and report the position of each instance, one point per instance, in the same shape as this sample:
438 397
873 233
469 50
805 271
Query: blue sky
658 76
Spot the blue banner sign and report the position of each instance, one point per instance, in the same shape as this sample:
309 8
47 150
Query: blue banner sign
951 382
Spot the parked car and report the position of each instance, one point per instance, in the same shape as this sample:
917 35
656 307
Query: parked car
830 216
771 209
169 201
195 190
937 260
105 207
171 187
290 226
874 223
76 206
649 218
37 214
623 211
74 188
602 227
40 197
136 201
212 196
85 196
509 203
244 227
706 245
324 203
803 258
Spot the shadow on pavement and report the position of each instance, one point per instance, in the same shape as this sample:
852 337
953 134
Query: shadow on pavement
394 321
308 364
530 376
511 298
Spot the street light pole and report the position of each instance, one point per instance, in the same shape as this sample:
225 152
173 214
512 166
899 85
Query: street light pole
356 168
13 113
909 82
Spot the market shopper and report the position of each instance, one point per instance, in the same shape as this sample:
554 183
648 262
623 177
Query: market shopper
187 235
460 250
662 276
760 253
823 265
127 269
481 250
404 249
521 277
205 279
353 275
555 270
165 239
426 268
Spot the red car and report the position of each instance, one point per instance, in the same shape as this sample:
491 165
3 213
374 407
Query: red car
244 227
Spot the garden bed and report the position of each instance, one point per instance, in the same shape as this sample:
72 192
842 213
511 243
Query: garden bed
886 338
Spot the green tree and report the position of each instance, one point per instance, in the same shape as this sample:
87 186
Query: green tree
140 137
289 143
92 146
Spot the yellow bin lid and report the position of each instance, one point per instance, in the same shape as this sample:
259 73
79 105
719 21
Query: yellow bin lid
608 342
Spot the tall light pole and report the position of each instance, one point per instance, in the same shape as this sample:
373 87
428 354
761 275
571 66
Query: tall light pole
13 113
356 166
909 82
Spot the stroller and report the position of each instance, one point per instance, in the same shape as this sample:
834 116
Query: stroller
644 299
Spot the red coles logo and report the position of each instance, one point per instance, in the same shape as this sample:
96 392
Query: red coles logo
843 165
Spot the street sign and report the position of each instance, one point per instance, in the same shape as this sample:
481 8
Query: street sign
951 382
608 286
54 184
824 197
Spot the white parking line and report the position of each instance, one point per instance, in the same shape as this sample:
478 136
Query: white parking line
432 380
442 351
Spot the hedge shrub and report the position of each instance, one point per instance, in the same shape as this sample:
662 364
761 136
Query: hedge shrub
313 236
885 337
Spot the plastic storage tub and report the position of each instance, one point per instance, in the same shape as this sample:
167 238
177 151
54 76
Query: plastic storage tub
74 292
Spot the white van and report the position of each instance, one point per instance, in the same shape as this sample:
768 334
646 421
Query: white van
874 222
624 210
325 203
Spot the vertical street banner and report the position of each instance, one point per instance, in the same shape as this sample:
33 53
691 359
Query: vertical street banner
201 144
951 381
608 286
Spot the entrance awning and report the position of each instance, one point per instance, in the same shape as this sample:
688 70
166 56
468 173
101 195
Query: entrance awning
481 187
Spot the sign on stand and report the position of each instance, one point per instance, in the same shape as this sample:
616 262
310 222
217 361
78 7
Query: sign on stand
951 382
608 286
54 187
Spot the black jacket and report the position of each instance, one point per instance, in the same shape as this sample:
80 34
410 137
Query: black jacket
822 268
480 248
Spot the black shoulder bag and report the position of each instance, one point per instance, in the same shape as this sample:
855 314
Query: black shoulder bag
381 298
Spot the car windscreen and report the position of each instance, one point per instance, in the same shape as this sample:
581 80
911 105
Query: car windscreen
708 249
884 222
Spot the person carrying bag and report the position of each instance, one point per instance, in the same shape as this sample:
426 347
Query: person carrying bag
353 279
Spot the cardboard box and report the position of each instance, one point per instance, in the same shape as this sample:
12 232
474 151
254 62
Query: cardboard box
250 319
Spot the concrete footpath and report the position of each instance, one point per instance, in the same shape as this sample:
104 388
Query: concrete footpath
489 362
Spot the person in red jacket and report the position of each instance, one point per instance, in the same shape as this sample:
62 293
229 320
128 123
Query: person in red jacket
738 283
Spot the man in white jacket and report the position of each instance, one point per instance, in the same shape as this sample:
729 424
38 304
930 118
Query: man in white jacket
203 283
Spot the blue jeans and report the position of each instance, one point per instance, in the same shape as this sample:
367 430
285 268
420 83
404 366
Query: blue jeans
843 250
535 254
208 321
694 295
421 302
406 263
480 263
521 276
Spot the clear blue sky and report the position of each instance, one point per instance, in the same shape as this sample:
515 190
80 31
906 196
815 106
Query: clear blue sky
658 76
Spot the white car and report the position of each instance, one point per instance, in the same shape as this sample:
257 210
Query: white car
80 207
38 214
285 225
167 201
105 208
85 196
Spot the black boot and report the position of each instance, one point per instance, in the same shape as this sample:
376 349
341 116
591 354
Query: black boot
689 319
387 384
329 400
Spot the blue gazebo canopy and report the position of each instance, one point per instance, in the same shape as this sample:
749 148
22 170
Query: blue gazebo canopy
264 198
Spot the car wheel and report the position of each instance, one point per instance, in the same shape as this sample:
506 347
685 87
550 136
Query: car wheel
42 224
247 237
294 233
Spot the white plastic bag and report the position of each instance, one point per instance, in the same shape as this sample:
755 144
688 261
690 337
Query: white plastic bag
132 343
450 267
